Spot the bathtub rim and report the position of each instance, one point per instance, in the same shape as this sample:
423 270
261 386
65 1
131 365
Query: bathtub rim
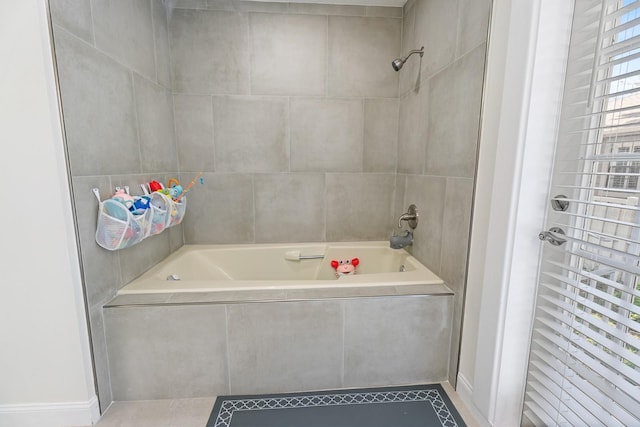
422 281
268 296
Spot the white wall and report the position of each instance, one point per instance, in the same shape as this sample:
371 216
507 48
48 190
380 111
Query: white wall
526 61
45 364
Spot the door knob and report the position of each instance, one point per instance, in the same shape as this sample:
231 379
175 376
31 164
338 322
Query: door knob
550 236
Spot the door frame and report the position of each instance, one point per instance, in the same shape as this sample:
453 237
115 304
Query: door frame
528 45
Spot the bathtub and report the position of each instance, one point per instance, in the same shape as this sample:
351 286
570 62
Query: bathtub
256 322
211 268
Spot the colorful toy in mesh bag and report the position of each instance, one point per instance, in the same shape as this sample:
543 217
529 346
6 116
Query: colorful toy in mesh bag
188 187
135 204
175 189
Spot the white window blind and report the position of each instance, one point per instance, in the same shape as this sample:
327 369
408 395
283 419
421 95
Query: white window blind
584 365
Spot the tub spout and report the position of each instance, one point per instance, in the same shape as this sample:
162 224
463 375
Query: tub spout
399 242
411 216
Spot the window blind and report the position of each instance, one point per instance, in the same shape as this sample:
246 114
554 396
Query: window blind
584 365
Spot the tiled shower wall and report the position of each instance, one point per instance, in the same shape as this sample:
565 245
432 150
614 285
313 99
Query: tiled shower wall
291 112
115 81
440 102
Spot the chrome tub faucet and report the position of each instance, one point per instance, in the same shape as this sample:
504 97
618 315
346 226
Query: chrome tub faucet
406 239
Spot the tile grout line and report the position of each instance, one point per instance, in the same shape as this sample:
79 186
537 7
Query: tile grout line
153 36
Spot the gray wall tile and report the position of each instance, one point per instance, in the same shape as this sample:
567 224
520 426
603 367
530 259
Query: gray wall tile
149 350
139 258
326 135
222 211
380 135
266 354
473 24
101 268
99 111
411 70
398 202
210 51
161 38
288 54
154 108
428 194
74 16
434 29
412 130
289 207
454 102
359 206
123 29
176 236
402 340
455 235
193 115
251 134
100 355
360 54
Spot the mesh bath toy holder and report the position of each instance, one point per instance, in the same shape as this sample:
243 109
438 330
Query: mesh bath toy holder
159 213
166 212
176 211
118 228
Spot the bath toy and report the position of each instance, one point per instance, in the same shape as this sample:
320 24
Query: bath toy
188 187
121 196
175 191
140 204
345 267
154 186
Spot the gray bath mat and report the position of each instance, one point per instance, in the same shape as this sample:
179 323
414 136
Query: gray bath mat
406 406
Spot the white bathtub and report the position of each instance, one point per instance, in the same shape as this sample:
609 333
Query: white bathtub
210 268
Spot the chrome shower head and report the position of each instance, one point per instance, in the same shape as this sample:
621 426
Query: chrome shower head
399 62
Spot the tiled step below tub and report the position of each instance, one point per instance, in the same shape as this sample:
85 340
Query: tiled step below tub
207 342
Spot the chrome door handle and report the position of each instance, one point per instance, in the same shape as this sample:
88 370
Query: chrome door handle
550 236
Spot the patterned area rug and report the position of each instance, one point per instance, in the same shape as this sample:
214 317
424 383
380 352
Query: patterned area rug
406 406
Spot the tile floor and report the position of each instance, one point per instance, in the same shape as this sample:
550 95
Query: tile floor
195 412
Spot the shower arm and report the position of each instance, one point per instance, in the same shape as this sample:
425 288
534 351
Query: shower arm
420 51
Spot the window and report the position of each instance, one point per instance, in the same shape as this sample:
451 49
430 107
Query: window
624 174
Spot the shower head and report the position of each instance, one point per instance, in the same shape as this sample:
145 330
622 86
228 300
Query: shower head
399 62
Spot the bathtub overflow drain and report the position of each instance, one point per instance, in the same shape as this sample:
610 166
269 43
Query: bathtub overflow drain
173 277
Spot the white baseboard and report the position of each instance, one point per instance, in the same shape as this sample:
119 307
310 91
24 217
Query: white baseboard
465 392
463 388
64 414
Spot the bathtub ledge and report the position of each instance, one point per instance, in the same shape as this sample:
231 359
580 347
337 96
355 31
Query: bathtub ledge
270 295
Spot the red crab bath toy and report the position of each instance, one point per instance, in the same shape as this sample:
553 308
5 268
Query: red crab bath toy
345 267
